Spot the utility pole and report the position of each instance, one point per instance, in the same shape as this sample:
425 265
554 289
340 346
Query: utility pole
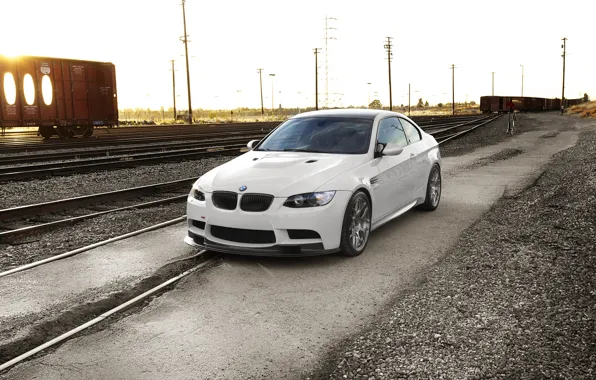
453 89
493 73
368 104
272 102
185 40
522 66
261 82
174 88
409 91
564 46
327 38
316 50
388 47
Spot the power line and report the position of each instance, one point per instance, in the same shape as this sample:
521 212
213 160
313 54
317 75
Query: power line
185 40
316 51
388 47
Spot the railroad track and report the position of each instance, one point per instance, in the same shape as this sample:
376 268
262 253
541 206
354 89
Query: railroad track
145 155
195 132
14 220
20 141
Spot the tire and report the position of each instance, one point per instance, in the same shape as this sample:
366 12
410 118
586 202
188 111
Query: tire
355 246
433 190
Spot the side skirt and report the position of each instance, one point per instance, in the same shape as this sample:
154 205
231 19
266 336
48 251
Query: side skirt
392 216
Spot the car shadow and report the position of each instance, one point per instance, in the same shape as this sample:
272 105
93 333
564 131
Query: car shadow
333 259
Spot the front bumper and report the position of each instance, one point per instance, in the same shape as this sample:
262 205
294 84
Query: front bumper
278 221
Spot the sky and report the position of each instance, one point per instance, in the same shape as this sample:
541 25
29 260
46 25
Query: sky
229 40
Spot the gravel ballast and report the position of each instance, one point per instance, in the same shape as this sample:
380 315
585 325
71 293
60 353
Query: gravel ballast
514 298
14 194
489 134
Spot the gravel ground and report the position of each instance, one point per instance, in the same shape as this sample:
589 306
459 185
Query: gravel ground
14 194
515 298
489 134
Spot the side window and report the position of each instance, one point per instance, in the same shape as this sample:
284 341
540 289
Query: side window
391 132
411 131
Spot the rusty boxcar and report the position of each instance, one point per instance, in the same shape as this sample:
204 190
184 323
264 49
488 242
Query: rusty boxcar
66 97
523 104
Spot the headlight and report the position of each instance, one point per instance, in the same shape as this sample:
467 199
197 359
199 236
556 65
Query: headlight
310 199
197 194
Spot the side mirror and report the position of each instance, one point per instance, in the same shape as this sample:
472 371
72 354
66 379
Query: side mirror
382 150
252 143
393 151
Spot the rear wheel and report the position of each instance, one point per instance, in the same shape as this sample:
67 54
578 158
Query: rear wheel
433 190
356 225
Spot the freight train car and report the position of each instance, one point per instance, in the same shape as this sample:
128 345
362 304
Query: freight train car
523 104
65 97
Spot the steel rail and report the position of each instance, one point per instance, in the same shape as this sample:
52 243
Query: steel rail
105 152
20 212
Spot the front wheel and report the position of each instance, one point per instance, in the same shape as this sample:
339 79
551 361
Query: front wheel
433 190
356 225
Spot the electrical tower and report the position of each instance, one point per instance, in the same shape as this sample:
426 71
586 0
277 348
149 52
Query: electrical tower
388 47
327 38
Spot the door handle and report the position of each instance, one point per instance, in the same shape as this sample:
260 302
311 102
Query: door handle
412 155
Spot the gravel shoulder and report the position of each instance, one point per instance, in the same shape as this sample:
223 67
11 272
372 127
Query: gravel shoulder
514 298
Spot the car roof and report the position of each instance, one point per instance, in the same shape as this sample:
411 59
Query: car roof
360 113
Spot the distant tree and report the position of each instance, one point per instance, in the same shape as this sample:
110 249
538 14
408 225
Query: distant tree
420 103
586 98
472 103
440 105
402 105
426 103
376 104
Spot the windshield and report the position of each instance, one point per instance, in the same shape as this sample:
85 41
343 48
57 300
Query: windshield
321 135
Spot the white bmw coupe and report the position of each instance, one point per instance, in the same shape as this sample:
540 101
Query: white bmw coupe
319 183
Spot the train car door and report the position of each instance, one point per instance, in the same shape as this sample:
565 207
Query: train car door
46 85
500 103
79 92
27 81
10 101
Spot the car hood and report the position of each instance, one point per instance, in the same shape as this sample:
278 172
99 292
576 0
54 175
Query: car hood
281 174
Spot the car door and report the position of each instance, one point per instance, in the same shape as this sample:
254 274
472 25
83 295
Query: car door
392 186
420 162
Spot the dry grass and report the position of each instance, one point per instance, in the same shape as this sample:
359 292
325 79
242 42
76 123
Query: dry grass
583 110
